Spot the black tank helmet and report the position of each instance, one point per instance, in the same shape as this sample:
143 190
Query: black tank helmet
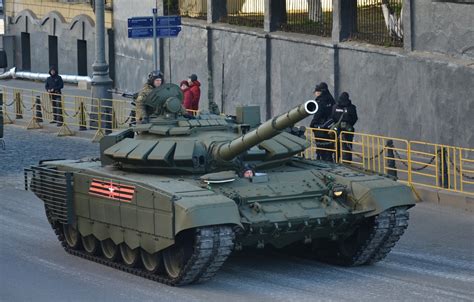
155 74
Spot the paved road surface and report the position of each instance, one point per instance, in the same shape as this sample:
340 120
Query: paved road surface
434 261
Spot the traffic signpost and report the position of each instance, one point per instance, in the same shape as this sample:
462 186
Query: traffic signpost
154 27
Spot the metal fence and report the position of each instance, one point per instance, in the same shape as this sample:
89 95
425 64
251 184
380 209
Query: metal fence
69 112
196 9
308 17
415 163
378 22
245 13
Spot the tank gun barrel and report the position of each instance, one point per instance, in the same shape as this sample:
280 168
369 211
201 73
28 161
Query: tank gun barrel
267 130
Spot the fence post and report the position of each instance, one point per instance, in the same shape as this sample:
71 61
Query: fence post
38 111
391 159
82 117
18 109
1 115
443 169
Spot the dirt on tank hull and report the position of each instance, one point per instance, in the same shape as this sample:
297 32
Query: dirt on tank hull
171 200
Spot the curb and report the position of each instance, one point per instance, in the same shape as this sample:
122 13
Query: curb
446 198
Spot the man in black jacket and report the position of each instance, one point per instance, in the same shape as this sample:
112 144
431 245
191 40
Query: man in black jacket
321 120
344 113
54 84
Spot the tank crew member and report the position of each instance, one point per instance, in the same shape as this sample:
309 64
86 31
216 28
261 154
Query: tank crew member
345 115
54 84
322 120
195 87
247 171
155 79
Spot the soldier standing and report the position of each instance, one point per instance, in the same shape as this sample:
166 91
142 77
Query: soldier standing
321 120
54 84
344 113
155 79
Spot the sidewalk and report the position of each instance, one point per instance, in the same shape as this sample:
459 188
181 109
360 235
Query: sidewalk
70 89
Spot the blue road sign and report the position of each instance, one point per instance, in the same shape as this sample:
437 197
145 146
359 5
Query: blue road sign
161 21
140 33
164 32
167 32
140 22
167 21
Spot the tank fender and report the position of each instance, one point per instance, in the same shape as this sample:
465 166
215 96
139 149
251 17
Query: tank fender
376 193
201 210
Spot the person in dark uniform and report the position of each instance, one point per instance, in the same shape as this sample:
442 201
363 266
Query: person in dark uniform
54 84
344 113
322 120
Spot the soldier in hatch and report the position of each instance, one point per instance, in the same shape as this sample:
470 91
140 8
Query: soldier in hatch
155 79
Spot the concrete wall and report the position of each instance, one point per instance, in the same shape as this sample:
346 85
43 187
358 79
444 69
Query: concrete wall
443 27
133 57
409 95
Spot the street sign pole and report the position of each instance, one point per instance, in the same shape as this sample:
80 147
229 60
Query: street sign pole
155 48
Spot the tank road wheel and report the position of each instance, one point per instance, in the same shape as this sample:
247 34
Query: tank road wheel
90 244
151 262
130 257
109 249
176 256
72 237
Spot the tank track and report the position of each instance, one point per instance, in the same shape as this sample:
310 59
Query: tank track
212 246
386 230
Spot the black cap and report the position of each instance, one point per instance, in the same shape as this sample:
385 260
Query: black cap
193 77
343 98
321 87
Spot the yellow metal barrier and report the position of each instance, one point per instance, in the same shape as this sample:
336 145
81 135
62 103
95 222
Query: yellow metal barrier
376 153
441 166
323 143
67 111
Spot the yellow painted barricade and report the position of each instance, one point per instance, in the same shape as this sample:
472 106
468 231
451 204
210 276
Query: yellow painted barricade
441 166
320 140
376 153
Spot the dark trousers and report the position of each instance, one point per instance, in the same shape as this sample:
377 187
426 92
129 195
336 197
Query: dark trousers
57 104
323 154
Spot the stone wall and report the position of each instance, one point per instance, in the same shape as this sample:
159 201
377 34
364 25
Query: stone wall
443 27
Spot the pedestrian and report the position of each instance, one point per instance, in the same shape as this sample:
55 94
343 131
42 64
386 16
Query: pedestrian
188 96
344 113
155 79
195 87
321 121
54 84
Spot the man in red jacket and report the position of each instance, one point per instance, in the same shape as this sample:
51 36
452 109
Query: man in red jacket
194 86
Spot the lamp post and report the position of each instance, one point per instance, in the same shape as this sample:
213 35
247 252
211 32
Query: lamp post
101 82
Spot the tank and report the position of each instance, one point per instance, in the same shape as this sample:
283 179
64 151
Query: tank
170 200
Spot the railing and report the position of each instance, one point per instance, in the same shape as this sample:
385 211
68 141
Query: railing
308 17
416 163
193 9
245 13
378 22
67 111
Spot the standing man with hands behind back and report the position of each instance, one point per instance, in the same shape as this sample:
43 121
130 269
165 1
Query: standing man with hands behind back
321 120
54 84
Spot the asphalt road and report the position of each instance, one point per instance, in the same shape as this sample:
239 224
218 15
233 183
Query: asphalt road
434 261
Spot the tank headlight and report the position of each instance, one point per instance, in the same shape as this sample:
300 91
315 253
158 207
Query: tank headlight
338 191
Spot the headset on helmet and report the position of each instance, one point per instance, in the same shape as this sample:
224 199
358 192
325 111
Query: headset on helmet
155 74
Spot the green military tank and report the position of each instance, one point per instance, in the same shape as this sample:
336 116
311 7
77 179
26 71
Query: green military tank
171 199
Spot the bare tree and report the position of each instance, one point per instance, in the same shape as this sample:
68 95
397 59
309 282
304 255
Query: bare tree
392 21
315 10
